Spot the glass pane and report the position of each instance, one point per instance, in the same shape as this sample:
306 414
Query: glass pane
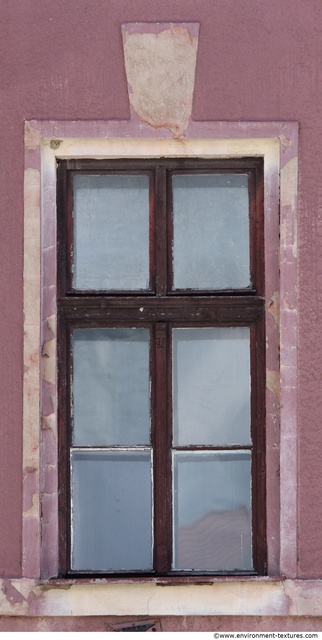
210 231
112 511
212 511
211 386
111 389
111 232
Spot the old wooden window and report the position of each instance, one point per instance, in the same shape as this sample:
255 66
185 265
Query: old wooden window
161 357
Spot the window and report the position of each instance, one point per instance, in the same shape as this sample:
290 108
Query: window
161 352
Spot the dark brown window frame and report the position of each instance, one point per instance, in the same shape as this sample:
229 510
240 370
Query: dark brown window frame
163 308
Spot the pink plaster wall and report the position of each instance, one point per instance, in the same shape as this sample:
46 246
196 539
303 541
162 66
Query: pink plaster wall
166 623
256 61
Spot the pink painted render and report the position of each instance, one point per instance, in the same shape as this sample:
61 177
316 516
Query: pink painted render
167 623
256 62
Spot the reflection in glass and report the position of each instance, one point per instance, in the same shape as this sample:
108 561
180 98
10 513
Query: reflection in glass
111 389
111 510
211 231
211 386
111 232
212 511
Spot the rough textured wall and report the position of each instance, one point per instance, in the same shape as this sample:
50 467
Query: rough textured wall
167 623
256 61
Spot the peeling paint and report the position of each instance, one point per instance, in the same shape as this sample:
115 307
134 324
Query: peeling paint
30 494
160 69
32 137
32 182
12 598
30 516
49 422
51 322
248 597
286 142
11 593
273 306
289 184
48 399
49 365
273 383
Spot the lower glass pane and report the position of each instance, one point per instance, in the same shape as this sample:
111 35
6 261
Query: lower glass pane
212 511
111 511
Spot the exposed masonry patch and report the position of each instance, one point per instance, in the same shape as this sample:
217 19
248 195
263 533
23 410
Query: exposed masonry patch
160 69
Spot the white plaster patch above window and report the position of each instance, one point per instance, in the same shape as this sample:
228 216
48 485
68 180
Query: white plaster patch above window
160 64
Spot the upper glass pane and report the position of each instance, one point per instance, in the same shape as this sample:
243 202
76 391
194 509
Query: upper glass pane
111 387
111 232
211 231
211 386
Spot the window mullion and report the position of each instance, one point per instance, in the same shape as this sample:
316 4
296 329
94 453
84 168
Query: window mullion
256 230
162 463
161 231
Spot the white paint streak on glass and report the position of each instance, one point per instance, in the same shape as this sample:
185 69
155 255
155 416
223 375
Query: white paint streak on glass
111 232
211 386
212 511
211 231
111 389
112 510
